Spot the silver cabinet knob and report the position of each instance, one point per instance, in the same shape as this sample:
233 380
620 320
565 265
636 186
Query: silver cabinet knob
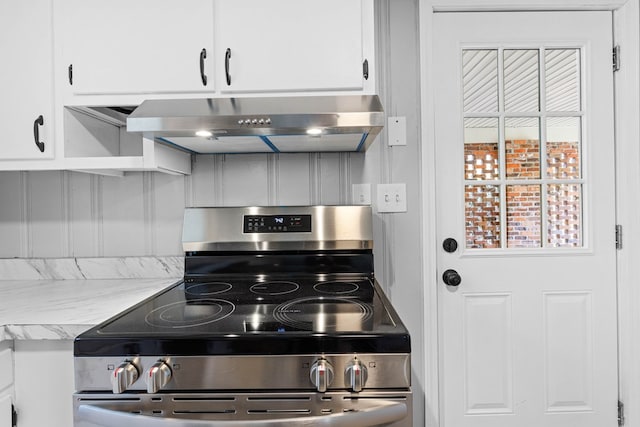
124 376
321 374
158 375
356 375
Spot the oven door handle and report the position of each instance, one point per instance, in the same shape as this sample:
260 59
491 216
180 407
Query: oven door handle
383 414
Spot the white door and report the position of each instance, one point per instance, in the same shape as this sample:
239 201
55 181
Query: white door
525 185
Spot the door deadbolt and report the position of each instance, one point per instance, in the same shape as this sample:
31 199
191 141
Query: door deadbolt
450 244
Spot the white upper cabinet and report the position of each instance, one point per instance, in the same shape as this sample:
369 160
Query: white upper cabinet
60 55
293 45
137 47
148 47
26 80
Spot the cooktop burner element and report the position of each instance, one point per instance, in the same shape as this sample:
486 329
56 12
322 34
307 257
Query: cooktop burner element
336 288
189 314
274 288
208 288
323 314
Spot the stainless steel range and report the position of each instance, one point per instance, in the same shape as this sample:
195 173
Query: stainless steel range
279 321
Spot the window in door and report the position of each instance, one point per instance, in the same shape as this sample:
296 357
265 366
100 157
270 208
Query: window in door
523 121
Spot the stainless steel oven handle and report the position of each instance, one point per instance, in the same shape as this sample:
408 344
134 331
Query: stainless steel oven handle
383 414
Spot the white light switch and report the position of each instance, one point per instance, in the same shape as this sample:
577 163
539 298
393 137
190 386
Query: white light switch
392 198
397 130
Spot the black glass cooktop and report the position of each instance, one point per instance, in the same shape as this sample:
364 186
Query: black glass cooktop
254 315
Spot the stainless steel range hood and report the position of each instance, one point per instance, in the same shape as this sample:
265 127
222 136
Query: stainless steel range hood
269 124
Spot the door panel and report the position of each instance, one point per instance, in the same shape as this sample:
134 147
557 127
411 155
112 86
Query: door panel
568 351
525 183
488 358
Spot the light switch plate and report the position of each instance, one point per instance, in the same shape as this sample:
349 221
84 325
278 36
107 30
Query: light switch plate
361 194
397 130
392 198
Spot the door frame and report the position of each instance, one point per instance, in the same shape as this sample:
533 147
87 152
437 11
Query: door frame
627 151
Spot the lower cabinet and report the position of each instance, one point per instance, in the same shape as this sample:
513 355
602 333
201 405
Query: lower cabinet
6 409
43 383
6 384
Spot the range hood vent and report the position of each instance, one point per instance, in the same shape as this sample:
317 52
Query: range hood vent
268 124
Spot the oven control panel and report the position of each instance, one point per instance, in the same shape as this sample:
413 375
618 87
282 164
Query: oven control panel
277 224
322 373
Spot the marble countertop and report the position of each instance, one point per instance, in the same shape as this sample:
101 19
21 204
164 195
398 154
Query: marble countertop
62 309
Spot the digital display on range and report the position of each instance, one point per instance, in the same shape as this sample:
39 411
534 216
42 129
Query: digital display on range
277 223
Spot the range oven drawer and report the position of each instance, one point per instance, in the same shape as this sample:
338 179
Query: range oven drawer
258 409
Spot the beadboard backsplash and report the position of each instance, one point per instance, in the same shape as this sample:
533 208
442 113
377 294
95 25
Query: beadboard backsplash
57 214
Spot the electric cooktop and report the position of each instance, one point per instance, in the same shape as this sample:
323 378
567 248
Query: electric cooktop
254 315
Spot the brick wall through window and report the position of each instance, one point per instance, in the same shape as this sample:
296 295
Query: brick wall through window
523 208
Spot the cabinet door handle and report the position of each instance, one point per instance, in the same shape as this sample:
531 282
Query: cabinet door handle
71 74
203 76
36 132
227 57
365 69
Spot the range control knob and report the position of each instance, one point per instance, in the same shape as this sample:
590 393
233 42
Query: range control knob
356 375
321 374
158 375
124 376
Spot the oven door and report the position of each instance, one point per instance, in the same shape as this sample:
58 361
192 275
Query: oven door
331 409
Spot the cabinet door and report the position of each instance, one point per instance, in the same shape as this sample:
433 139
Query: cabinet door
44 382
6 385
141 46
26 82
5 410
289 45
